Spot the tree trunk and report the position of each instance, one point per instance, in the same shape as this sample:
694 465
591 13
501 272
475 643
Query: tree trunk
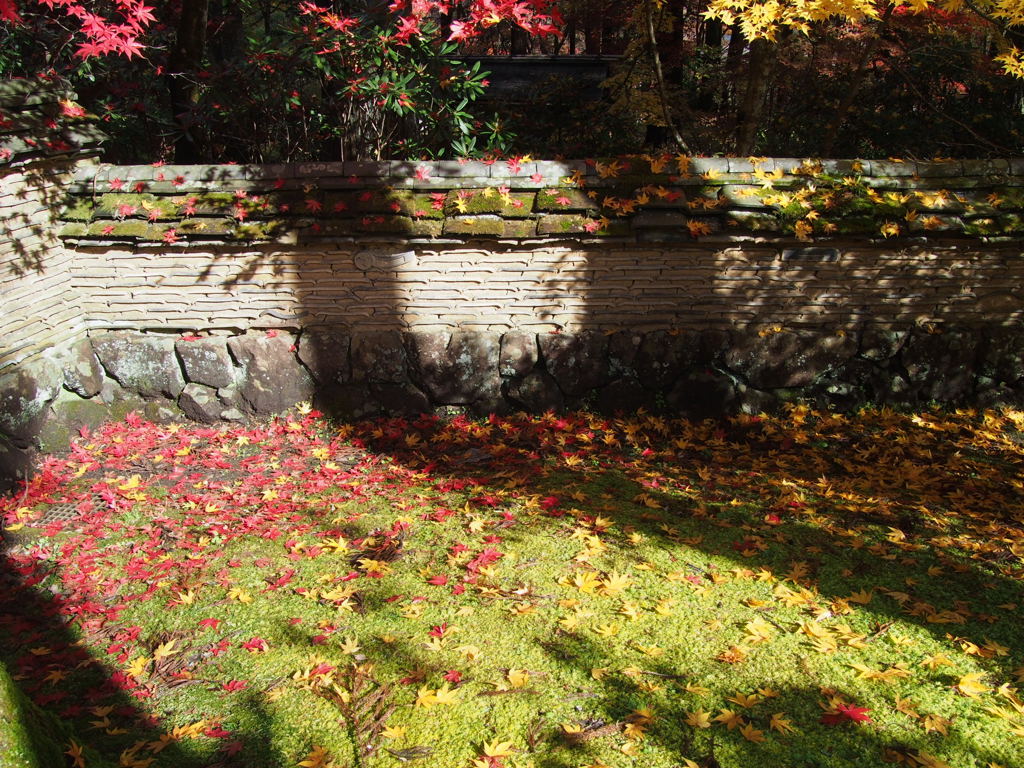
520 41
748 116
183 67
871 46
737 42
652 38
711 34
710 37
592 35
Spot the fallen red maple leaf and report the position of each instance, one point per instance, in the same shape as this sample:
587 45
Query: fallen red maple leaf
845 712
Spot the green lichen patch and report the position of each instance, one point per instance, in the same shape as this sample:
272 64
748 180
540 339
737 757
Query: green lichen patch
474 225
489 200
80 209
76 229
132 228
212 227
557 200
127 205
566 224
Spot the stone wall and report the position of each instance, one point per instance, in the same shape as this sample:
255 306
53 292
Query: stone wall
42 143
224 376
698 286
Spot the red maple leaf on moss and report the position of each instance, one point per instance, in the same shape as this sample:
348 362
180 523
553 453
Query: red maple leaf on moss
845 713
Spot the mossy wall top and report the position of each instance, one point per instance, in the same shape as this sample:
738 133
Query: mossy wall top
638 199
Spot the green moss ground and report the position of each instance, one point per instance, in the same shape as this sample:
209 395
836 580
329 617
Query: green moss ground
587 589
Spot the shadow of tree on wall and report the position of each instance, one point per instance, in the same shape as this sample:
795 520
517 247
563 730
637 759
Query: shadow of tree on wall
36 194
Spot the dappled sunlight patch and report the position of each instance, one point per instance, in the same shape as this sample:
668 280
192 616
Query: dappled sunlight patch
809 588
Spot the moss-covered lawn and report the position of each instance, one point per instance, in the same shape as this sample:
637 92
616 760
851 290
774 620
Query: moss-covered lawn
555 592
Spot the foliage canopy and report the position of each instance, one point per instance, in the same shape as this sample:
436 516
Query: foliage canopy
260 80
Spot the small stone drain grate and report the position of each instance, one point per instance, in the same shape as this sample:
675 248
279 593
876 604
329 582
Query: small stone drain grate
64 512
58 513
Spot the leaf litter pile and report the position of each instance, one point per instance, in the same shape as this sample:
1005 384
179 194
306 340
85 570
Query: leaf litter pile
809 589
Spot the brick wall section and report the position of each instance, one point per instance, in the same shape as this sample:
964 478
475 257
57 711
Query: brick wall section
40 148
545 287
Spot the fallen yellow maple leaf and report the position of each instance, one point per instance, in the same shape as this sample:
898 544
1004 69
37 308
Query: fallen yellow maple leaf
74 751
729 719
165 649
138 666
445 695
518 678
498 748
614 583
750 733
778 722
698 719
744 700
971 685
317 758
425 697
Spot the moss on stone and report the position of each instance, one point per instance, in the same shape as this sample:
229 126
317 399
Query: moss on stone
1012 222
565 224
572 200
258 230
982 226
133 228
614 228
856 225
30 737
110 205
926 224
754 221
474 225
80 209
1008 199
222 199
209 226
69 414
73 230
419 205
375 224
489 200
401 225
520 228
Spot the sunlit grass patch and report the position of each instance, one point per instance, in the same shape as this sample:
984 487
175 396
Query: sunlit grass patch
811 590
